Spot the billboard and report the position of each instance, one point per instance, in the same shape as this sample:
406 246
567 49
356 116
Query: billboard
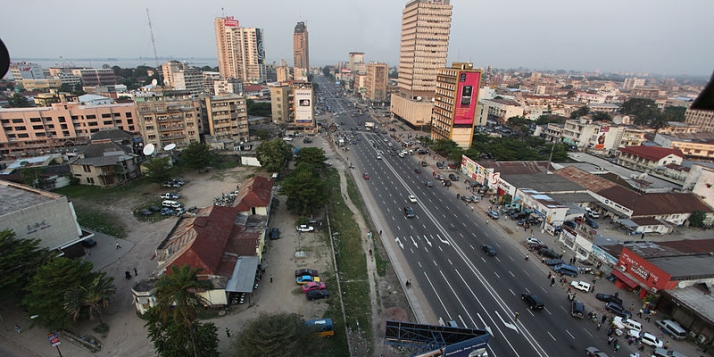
259 42
466 98
602 136
229 21
303 105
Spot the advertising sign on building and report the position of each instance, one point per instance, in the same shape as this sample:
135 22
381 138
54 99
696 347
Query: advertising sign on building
602 137
466 98
229 21
303 106
261 50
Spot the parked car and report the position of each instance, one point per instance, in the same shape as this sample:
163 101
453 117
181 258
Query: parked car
304 279
617 310
591 222
89 242
489 250
274 233
533 302
146 212
536 247
580 285
609 298
646 338
167 211
305 228
453 177
317 294
492 214
447 183
552 262
311 272
594 352
313 286
170 196
533 240
548 253
570 224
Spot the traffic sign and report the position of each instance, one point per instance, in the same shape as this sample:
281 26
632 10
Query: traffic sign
54 339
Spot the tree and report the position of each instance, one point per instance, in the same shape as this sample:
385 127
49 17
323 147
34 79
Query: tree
674 113
601 116
158 169
274 155
177 299
696 219
641 108
263 134
444 147
19 101
582 111
311 155
169 337
94 297
275 335
304 189
197 156
19 259
47 289
258 109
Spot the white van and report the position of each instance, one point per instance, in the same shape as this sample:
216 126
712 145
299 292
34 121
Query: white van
169 203
672 328
626 324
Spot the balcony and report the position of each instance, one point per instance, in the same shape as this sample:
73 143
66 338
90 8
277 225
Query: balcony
171 127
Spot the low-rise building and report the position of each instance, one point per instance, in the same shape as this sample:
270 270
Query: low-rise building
648 158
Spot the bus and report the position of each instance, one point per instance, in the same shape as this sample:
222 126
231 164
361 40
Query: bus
322 327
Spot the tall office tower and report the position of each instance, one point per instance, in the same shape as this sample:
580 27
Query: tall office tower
376 82
240 51
455 102
301 52
424 46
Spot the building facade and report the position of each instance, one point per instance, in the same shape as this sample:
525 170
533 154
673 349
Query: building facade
168 118
226 117
282 73
301 53
455 102
280 99
180 76
26 70
240 50
92 77
376 82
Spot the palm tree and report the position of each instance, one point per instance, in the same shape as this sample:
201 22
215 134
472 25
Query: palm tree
177 297
95 297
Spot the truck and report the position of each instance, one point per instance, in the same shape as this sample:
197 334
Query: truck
369 125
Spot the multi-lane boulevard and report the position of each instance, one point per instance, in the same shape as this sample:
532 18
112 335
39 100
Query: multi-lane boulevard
441 247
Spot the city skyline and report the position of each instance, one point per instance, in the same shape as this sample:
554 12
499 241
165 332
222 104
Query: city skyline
656 37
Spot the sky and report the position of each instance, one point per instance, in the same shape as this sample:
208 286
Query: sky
629 36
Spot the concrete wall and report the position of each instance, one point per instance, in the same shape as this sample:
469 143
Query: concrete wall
54 222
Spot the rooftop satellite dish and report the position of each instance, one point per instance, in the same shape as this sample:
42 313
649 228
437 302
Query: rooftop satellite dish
169 147
149 149
154 82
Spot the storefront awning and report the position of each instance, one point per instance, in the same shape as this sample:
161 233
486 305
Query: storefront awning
628 223
625 279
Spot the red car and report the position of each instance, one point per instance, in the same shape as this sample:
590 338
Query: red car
365 176
313 286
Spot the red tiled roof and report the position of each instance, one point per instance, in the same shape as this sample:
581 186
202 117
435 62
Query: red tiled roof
668 203
583 178
256 192
253 88
690 245
652 153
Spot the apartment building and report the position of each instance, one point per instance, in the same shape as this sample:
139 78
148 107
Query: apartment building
455 102
648 158
209 79
93 77
283 73
240 50
225 118
170 117
500 110
280 99
227 86
606 136
424 46
180 76
26 70
701 112
376 82
693 145
33 131
632 83
301 53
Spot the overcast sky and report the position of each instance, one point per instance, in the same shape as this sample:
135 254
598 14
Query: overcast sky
654 36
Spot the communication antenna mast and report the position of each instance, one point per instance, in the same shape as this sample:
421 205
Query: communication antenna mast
153 44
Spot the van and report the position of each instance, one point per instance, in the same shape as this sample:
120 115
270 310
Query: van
577 309
452 323
672 328
565 269
170 203
628 324
661 352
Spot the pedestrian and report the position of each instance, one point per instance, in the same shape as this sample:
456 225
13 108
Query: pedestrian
563 285
380 232
569 289
549 275
18 329
647 318
639 313
642 236
598 326
666 345
118 246
127 275
609 340
271 278
552 281
516 316
604 318
228 332
617 346
472 208
135 272
632 307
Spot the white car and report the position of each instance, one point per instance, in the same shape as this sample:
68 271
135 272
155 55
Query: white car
412 199
170 196
534 240
646 338
581 285
305 228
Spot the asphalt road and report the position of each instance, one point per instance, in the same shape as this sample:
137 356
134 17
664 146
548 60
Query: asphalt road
442 247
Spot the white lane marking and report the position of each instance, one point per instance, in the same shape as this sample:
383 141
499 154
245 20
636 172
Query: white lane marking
551 336
414 242
569 334
399 242
442 240
438 295
507 324
486 327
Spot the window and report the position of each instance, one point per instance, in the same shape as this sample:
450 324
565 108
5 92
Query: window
35 120
23 135
75 117
20 128
38 127
91 116
90 180
149 127
39 134
92 123
50 126
116 114
63 126
87 168
65 133
128 114
11 136
17 121
108 122
106 115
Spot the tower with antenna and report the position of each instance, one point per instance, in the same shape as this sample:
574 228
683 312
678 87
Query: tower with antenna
153 44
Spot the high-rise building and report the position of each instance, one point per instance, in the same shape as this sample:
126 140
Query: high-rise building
455 102
376 82
304 104
632 83
240 51
301 53
180 76
424 46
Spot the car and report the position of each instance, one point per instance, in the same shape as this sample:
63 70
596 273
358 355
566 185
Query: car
379 156
594 352
412 199
147 212
417 170
570 224
536 247
171 184
552 262
591 222
170 204
170 196
304 279
440 177
453 177
533 240
577 309
424 164
422 151
89 242
466 199
646 338
592 213
580 285
317 294
365 176
311 272
489 250
440 165
447 183
609 298
533 302
428 183
409 212
313 286
305 228
167 211
274 233
154 208
618 310
492 214
548 253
